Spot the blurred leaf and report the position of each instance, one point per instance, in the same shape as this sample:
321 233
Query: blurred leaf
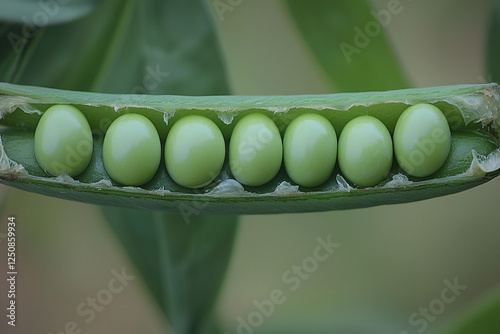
493 52
36 13
182 261
9 59
153 47
482 317
349 43
133 236
125 46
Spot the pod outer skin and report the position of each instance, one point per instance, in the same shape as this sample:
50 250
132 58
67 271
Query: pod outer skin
22 106
267 204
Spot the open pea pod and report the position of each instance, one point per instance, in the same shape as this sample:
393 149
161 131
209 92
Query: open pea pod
472 112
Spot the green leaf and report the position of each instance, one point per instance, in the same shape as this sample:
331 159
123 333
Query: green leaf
127 46
352 58
182 259
143 47
481 317
493 51
133 228
35 13
9 58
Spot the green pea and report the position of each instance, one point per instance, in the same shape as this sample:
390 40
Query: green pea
309 150
194 151
365 151
255 150
63 141
131 150
422 140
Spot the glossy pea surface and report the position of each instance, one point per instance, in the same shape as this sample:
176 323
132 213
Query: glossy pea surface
422 140
365 151
194 151
131 150
255 150
63 141
309 150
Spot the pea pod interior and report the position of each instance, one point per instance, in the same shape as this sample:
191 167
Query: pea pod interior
471 110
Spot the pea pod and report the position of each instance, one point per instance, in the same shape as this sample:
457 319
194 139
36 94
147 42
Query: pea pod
472 111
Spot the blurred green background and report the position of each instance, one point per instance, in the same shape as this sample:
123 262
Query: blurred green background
392 259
